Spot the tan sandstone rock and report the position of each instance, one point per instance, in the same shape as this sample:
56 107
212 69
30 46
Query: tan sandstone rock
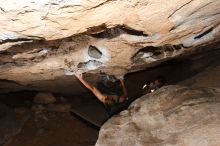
49 39
171 116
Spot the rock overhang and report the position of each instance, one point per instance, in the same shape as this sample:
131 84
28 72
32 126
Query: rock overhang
48 39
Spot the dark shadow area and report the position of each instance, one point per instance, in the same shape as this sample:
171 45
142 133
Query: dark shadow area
204 33
117 31
174 71
18 99
44 127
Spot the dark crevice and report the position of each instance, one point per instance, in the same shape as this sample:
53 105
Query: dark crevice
174 27
168 48
177 47
131 31
2 9
204 33
38 49
155 52
96 29
6 53
117 31
11 82
182 46
16 40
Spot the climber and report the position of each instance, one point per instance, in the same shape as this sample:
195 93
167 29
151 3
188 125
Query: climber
107 99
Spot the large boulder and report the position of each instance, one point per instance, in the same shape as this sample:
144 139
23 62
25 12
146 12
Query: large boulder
172 116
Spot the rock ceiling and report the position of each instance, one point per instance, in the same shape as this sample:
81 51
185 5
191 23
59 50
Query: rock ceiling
45 39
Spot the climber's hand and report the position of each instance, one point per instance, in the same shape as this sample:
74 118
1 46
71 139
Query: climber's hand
78 74
108 102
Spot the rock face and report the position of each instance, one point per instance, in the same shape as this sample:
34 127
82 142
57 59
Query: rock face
171 116
174 116
48 39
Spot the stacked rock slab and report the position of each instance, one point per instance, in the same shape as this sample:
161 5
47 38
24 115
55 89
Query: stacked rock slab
49 39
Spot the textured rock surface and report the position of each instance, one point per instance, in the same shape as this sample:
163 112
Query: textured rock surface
59 19
48 39
171 116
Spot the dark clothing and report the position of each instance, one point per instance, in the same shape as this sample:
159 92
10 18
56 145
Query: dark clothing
109 88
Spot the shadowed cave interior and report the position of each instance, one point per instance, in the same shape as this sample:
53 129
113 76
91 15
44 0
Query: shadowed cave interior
51 121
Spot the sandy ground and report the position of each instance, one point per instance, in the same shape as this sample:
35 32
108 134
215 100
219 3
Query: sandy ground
58 129
47 128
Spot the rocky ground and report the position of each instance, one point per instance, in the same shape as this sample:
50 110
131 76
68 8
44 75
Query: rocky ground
55 130
41 120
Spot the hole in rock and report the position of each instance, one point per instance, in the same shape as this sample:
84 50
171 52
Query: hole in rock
156 52
178 47
148 52
94 52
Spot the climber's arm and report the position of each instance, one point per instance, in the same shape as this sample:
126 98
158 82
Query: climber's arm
86 84
94 90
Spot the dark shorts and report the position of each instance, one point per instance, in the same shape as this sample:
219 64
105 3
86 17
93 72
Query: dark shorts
117 107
